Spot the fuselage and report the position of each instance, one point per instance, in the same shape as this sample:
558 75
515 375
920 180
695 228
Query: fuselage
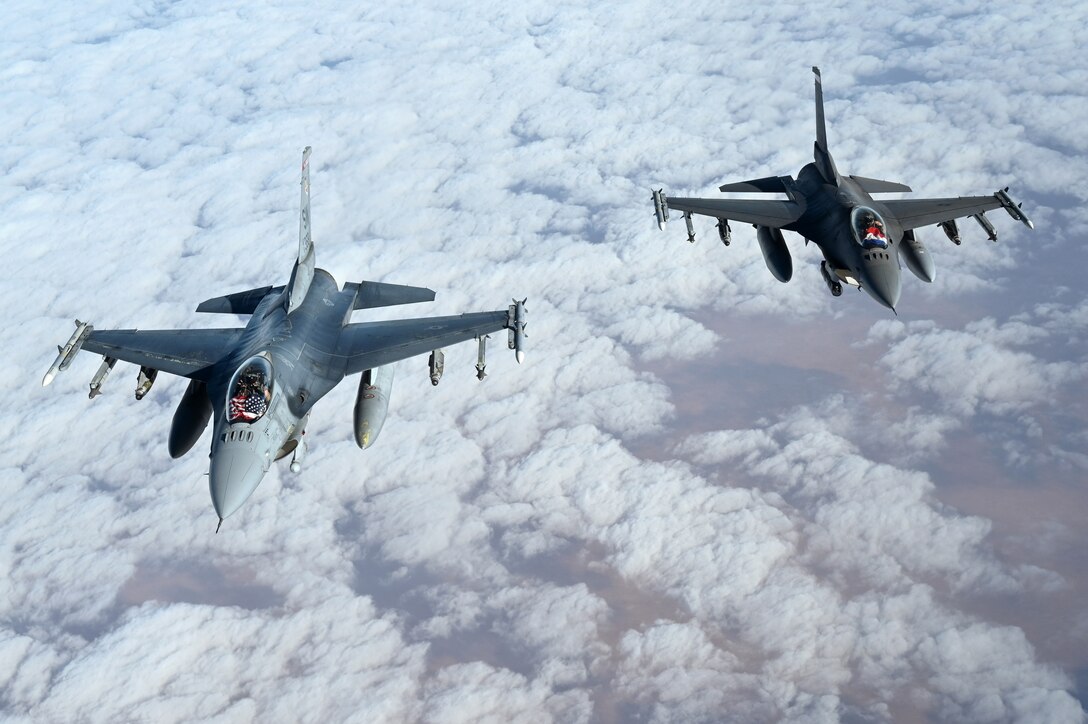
263 392
829 221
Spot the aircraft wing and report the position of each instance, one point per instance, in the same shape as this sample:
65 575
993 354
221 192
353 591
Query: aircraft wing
773 214
370 344
182 352
913 213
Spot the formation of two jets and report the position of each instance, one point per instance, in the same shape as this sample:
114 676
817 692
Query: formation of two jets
260 382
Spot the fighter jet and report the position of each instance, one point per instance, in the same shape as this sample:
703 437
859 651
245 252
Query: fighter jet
864 241
260 382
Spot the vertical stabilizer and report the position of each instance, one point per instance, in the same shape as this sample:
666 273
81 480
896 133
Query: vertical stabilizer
823 159
303 273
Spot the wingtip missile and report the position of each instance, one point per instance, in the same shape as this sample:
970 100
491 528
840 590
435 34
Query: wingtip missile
67 352
1015 210
520 312
217 525
661 208
515 322
1024 217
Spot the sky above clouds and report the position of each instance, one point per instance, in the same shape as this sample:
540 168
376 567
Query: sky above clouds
706 496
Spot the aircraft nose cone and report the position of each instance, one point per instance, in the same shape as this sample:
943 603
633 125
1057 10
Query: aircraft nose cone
235 473
884 285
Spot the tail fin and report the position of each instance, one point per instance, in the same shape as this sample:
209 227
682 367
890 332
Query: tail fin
821 131
823 159
303 273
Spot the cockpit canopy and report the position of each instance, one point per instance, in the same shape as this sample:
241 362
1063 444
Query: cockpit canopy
250 391
868 228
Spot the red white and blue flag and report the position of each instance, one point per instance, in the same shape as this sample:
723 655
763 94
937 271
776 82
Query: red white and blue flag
246 408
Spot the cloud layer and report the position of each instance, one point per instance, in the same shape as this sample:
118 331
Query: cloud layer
707 496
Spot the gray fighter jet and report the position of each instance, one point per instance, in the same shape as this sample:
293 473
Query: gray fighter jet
260 382
864 241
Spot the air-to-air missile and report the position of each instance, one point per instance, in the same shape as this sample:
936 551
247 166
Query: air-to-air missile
67 352
481 358
1014 209
516 319
991 232
661 210
101 375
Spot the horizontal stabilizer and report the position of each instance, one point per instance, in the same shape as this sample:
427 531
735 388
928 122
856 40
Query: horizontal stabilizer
238 303
877 186
370 295
767 185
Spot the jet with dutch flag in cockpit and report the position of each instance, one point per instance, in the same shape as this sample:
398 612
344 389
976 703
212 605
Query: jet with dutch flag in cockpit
864 240
259 383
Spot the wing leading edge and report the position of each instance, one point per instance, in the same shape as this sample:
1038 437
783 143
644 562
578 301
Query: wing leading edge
762 212
371 344
913 213
183 352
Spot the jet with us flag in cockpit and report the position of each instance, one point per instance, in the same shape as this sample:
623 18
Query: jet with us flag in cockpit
864 240
259 383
